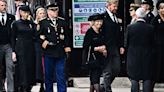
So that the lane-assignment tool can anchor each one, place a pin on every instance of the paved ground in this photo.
(120, 84)
(71, 89)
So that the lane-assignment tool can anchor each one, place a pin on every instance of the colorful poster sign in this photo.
(81, 9)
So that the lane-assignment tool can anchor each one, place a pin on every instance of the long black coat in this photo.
(22, 41)
(159, 48)
(140, 50)
(93, 39)
(113, 35)
(114, 40)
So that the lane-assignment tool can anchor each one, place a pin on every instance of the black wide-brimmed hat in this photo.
(95, 16)
(24, 8)
(53, 6)
(158, 3)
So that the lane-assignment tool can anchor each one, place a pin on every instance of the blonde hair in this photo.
(37, 12)
(112, 1)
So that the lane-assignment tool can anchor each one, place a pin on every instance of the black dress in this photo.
(23, 44)
(39, 56)
(159, 48)
(94, 39)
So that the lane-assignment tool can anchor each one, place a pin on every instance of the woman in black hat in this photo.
(95, 49)
(158, 23)
(22, 42)
(40, 14)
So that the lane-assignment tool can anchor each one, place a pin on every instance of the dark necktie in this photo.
(3, 21)
(114, 19)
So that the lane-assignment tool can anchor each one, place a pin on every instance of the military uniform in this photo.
(56, 35)
(55, 32)
(149, 17)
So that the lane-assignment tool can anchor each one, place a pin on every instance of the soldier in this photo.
(55, 45)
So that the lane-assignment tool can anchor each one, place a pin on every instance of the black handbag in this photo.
(88, 62)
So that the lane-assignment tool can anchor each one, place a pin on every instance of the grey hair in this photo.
(112, 2)
(140, 13)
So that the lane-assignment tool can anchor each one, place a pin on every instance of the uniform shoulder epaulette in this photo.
(61, 18)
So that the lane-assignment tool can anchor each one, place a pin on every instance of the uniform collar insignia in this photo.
(159, 20)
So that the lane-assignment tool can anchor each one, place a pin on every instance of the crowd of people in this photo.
(33, 49)
(142, 44)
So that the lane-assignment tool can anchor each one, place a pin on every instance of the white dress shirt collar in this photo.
(111, 15)
(5, 17)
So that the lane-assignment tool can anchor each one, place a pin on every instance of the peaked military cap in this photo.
(53, 7)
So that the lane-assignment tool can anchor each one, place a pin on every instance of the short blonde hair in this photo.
(112, 1)
(109, 2)
(40, 9)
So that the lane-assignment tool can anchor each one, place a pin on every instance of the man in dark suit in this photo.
(55, 43)
(5, 48)
(140, 40)
(114, 43)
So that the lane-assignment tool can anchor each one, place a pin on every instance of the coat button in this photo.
(57, 41)
(56, 33)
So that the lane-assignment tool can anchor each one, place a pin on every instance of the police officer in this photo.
(148, 6)
(55, 43)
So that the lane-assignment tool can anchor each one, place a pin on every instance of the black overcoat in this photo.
(140, 51)
(23, 44)
(159, 48)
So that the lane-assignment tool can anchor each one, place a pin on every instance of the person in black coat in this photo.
(55, 43)
(94, 46)
(23, 46)
(158, 23)
(5, 48)
(140, 41)
(40, 14)
(113, 35)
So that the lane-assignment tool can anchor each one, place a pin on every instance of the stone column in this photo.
(155, 10)
(11, 6)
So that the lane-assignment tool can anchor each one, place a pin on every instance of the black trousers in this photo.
(147, 86)
(110, 71)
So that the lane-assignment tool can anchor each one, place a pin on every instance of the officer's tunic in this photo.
(57, 35)
(54, 54)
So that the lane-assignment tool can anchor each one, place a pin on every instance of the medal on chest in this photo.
(30, 26)
(49, 30)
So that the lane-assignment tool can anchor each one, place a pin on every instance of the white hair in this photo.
(140, 13)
